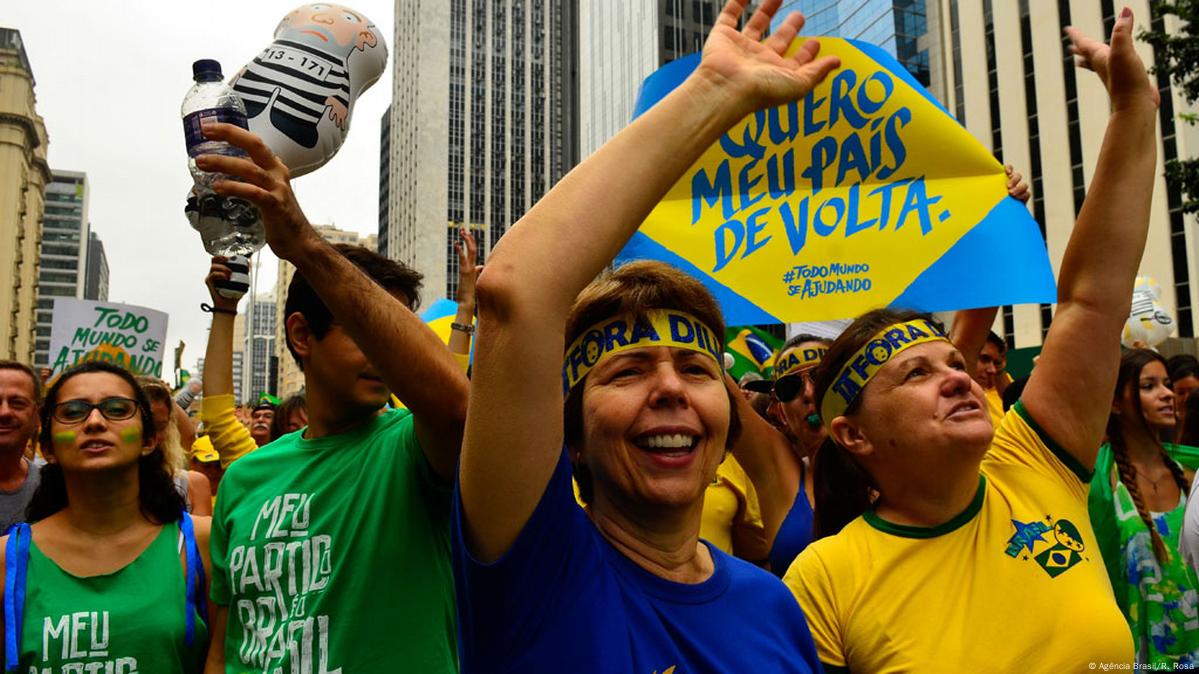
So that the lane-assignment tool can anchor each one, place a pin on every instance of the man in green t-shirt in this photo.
(331, 545)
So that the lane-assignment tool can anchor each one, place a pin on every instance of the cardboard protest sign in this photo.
(125, 335)
(866, 193)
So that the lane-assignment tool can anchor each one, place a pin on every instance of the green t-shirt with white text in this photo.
(333, 556)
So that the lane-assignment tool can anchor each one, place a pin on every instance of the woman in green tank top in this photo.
(1137, 501)
(111, 575)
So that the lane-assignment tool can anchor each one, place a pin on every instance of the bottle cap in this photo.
(206, 69)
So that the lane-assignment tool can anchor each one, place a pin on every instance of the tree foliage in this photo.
(1177, 57)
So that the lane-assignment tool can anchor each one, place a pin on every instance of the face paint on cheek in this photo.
(64, 438)
(131, 434)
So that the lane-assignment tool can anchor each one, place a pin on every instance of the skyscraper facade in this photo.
(63, 253)
(901, 27)
(620, 43)
(481, 151)
(96, 286)
(384, 179)
(260, 347)
(239, 358)
(1035, 110)
(25, 173)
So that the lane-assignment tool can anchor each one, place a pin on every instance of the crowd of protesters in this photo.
(887, 500)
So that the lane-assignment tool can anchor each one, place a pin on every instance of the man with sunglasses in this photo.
(776, 456)
(20, 396)
(792, 402)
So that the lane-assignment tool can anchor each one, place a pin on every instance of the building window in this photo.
(1034, 139)
(1178, 243)
(1009, 313)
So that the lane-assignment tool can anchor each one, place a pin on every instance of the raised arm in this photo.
(1070, 391)
(413, 361)
(468, 273)
(218, 356)
(970, 326)
(514, 428)
(230, 438)
(969, 332)
(769, 461)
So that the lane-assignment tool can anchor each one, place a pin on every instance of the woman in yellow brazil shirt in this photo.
(952, 546)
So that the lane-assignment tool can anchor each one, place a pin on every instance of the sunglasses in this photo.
(113, 409)
(787, 387)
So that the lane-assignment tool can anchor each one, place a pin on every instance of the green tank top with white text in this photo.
(131, 621)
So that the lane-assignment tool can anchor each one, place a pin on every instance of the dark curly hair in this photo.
(160, 502)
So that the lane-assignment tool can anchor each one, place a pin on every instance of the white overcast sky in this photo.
(110, 79)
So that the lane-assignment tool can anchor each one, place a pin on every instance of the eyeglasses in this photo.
(787, 387)
(113, 409)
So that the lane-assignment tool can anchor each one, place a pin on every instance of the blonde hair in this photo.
(170, 443)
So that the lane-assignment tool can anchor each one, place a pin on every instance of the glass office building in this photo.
(898, 26)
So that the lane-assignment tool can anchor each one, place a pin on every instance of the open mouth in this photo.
(964, 409)
(670, 445)
(96, 446)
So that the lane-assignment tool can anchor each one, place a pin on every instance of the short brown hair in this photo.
(843, 488)
(635, 289)
(33, 376)
(391, 275)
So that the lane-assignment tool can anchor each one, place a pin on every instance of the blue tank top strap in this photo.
(15, 566)
(195, 576)
(794, 534)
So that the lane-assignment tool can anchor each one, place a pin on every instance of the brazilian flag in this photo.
(752, 350)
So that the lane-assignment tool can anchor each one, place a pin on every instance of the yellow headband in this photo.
(798, 359)
(659, 327)
(871, 358)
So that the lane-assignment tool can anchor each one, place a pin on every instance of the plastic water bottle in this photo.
(228, 226)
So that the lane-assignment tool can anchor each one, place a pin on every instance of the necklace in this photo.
(1152, 483)
(1145, 476)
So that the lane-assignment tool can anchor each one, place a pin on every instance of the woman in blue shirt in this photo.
(625, 585)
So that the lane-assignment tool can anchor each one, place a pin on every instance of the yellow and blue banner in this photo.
(867, 193)
(439, 315)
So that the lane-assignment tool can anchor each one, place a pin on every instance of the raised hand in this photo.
(468, 270)
(758, 72)
(1016, 187)
(267, 184)
(1117, 64)
(218, 271)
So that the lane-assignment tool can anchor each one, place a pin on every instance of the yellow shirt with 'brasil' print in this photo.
(1015, 583)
